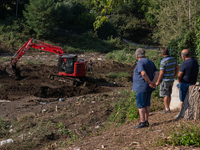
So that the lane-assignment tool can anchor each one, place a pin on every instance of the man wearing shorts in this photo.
(168, 71)
(187, 75)
(144, 78)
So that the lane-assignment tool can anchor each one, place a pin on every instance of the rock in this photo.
(6, 141)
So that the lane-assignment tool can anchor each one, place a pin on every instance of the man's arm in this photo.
(180, 76)
(176, 70)
(146, 78)
(161, 74)
(156, 74)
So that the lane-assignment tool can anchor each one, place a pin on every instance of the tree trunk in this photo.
(191, 104)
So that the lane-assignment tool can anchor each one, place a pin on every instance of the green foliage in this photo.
(100, 20)
(112, 74)
(118, 75)
(171, 20)
(122, 74)
(155, 56)
(40, 17)
(1, 85)
(128, 56)
(106, 30)
(126, 25)
(29, 61)
(184, 135)
(4, 126)
(198, 36)
(185, 41)
(122, 56)
(124, 109)
(62, 129)
(73, 137)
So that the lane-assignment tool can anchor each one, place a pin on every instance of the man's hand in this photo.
(180, 76)
(152, 85)
(157, 83)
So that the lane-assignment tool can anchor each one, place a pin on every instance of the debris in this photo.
(134, 143)
(97, 127)
(6, 141)
(43, 103)
(44, 110)
(1, 101)
(61, 99)
(22, 136)
(11, 130)
(101, 59)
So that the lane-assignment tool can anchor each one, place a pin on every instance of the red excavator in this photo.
(68, 65)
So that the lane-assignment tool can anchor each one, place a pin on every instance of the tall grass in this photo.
(122, 56)
(124, 109)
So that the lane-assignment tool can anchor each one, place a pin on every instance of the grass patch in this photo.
(4, 127)
(124, 109)
(30, 62)
(183, 134)
(122, 56)
(1, 85)
(112, 75)
(123, 74)
(5, 59)
(28, 132)
(118, 75)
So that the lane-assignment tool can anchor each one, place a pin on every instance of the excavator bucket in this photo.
(13, 70)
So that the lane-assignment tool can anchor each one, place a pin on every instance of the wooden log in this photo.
(191, 105)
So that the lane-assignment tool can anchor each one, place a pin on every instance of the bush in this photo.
(122, 56)
(184, 135)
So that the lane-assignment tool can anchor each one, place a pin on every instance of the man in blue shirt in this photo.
(187, 75)
(144, 78)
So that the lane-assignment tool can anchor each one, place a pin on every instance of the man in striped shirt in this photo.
(168, 71)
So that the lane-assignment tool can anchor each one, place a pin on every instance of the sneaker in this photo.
(177, 116)
(141, 125)
(147, 123)
(166, 111)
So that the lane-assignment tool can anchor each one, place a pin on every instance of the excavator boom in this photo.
(43, 46)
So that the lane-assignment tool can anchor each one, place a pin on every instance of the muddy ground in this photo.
(82, 109)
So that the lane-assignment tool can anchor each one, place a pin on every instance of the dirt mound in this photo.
(35, 81)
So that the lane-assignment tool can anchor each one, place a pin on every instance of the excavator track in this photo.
(71, 81)
(67, 80)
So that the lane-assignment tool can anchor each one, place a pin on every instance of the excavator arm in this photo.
(42, 46)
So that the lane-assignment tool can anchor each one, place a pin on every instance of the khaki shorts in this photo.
(166, 89)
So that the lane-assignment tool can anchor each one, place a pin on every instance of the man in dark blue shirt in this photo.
(187, 75)
(144, 78)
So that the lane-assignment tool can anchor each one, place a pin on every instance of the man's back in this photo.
(168, 64)
(190, 69)
(139, 84)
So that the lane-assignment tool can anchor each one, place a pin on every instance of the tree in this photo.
(173, 17)
(106, 7)
(40, 17)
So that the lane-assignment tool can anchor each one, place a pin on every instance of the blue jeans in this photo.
(143, 99)
(183, 88)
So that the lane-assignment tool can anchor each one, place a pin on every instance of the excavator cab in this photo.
(69, 66)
